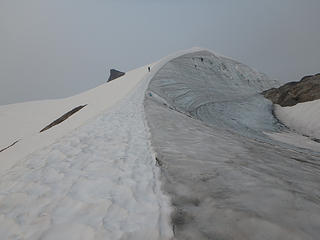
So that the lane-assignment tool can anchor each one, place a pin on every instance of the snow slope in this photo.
(97, 182)
(303, 117)
(93, 176)
(24, 120)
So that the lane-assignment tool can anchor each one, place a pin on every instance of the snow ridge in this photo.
(98, 182)
(93, 176)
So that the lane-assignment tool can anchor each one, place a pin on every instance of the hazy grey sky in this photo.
(56, 48)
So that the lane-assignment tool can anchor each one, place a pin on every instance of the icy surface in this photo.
(98, 182)
(227, 179)
(218, 91)
(295, 139)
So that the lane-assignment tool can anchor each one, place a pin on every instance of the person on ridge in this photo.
(149, 69)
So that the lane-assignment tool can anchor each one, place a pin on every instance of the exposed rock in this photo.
(63, 117)
(9, 146)
(115, 74)
(292, 93)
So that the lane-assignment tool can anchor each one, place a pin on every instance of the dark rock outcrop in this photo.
(115, 74)
(9, 146)
(292, 93)
(63, 118)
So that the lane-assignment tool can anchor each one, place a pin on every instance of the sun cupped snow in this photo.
(97, 182)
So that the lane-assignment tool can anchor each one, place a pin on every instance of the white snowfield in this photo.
(23, 121)
(303, 117)
(91, 177)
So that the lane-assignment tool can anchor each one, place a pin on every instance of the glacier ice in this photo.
(225, 177)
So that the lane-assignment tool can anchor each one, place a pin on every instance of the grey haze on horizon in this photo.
(53, 49)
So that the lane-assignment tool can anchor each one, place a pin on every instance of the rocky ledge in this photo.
(292, 93)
